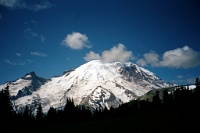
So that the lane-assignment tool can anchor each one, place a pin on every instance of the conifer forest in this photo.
(177, 111)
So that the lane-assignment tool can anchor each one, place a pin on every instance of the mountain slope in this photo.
(94, 84)
(24, 85)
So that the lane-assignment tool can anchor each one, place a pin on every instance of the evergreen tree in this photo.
(156, 100)
(27, 115)
(6, 109)
(112, 111)
(1, 103)
(85, 112)
(105, 112)
(166, 99)
(70, 109)
(39, 114)
(143, 104)
(197, 82)
(51, 115)
(197, 90)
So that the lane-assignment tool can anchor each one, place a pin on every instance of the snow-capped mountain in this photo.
(94, 84)
(25, 85)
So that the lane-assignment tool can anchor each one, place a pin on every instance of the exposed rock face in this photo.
(94, 84)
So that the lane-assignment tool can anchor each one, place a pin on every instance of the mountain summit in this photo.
(95, 84)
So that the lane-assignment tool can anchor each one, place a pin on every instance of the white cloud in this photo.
(42, 38)
(141, 62)
(43, 4)
(181, 58)
(30, 61)
(117, 53)
(76, 41)
(38, 54)
(152, 58)
(26, 4)
(15, 63)
(18, 54)
(31, 34)
(34, 22)
(9, 3)
(92, 56)
(179, 76)
(178, 58)
(9, 62)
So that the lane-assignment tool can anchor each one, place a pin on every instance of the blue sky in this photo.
(51, 36)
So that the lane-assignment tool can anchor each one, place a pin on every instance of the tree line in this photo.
(181, 100)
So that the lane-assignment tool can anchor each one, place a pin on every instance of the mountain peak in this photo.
(30, 75)
(95, 84)
(129, 67)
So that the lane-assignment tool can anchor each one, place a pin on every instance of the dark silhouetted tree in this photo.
(143, 104)
(156, 100)
(197, 93)
(6, 109)
(197, 82)
(166, 98)
(26, 114)
(105, 112)
(70, 110)
(197, 89)
(51, 115)
(84, 112)
(39, 113)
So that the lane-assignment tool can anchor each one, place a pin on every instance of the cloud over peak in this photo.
(76, 41)
(92, 56)
(184, 57)
(117, 53)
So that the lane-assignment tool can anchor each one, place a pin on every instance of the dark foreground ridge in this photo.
(176, 112)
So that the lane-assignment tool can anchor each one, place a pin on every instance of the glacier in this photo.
(95, 84)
